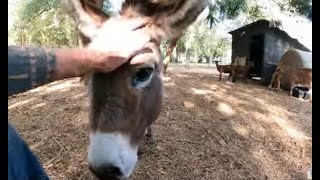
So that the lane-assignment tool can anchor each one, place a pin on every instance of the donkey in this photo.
(125, 102)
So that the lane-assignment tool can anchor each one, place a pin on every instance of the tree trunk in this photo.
(170, 48)
(187, 59)
(178, 57)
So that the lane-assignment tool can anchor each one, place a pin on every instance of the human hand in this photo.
(116, 42)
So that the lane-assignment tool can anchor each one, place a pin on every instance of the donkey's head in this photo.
(124, 102)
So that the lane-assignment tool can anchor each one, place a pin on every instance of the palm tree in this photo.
(222, 9)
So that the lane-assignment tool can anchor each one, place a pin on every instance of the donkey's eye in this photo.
(141, 76)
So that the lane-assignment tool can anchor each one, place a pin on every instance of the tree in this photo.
(298, 7)
(222, 9)
(206, 43)
(230, 9)
(42, 22)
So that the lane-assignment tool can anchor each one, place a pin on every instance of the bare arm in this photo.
(78, 62)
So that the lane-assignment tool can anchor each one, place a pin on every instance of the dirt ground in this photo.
(207, 130)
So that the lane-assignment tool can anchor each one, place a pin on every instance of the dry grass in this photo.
(207, 130)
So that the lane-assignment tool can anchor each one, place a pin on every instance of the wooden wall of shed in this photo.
(276, 43)
(274, 48)
(241, 43)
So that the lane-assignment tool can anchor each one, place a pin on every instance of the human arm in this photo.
(29, 67)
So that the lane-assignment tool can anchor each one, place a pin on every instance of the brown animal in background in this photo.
(242, 71)
(224, 69)
(275, 81)
(295, 76)
(125, 102)
(298, 77)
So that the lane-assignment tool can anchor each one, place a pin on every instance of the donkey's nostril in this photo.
(106, 172)
(113, 170)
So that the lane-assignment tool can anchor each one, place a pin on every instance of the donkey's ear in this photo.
(168, 17)
(86, 15)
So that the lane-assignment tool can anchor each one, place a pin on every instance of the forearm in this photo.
(71, 63)
(29, 67)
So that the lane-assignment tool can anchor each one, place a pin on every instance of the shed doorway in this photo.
(256, 55)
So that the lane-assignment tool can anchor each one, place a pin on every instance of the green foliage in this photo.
(299, 7)
(221, 9)
(181, 44)
(42, 22)
(107, 7)
(254, 13)
(203, 42)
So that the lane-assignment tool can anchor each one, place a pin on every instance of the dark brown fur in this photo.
(224, 69)
(242, 71)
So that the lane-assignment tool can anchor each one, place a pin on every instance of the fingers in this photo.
(124, 41)
(144, 58)
(132, 43)
(149, 55)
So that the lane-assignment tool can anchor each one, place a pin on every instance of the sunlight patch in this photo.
(38, 105)
(166, 79)
(184, 76)
(169, 84)
(213, 87)
(78, 96)
(188, 104)
(242, 130)
(56, 86)
(201, 91)
(17, 104)
(226, 109)
(60, 86)
(290, 131)
(261, 101)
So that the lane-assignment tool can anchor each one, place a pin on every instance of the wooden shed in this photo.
(264, 46)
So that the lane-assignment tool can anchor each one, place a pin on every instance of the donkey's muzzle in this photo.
(107, 172)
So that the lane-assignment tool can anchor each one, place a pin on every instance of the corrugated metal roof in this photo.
(266, 22)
